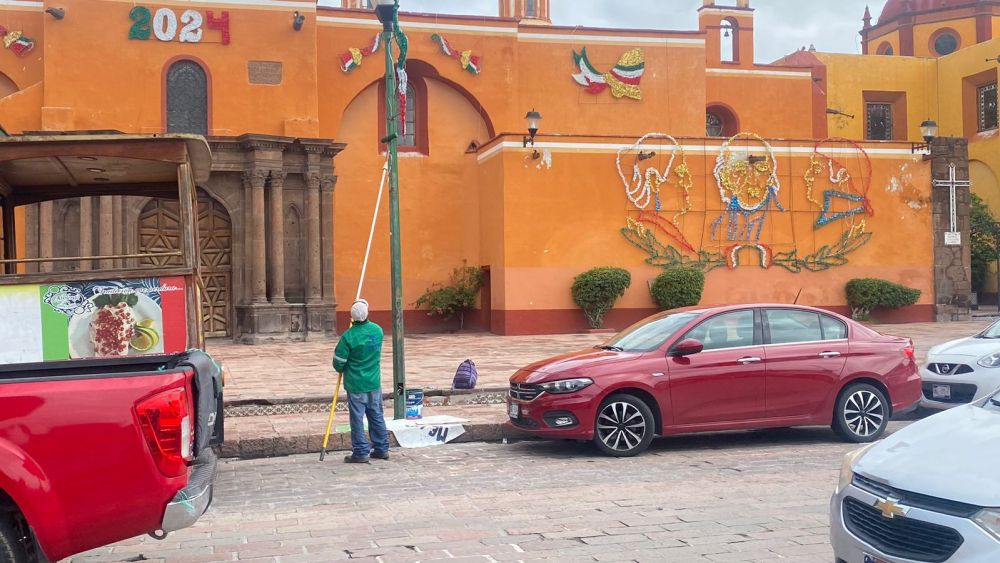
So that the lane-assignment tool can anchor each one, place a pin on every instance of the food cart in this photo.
(119, 305)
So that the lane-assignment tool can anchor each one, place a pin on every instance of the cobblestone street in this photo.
(746, 496)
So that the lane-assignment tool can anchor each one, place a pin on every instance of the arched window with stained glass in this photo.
(187, 98)
(713, 125)
(409, 138)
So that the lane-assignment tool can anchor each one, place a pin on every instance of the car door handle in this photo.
(658, 374)
(749, 360)
(829, 354)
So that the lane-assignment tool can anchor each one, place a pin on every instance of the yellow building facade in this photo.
(923, 59)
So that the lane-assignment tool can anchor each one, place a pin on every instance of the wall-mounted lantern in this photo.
(297, 21)
(929, 130)
(57, 13)
(533, 119)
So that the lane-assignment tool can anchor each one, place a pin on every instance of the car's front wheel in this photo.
(12, 542)
(862, 413)
(624, 426)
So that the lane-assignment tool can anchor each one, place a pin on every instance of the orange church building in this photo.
(656, 148)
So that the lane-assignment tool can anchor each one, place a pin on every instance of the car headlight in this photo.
(847, 467)
(991, 361)
(989, 520)
(566, 385)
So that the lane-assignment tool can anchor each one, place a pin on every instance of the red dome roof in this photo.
(895, 8)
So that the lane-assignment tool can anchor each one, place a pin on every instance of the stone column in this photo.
(276, 260)
(116, 233)
(329, 303)
(258, 253)
(86, 231)
(45, 244)
(245, 263)
(31, 237)
(952, 262)
(314, 280)
(106, 236)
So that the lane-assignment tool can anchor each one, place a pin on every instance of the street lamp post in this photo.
(388, 13)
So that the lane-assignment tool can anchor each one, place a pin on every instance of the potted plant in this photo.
(456, 298)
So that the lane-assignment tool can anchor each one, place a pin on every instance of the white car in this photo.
(962, 371)
(928, 493)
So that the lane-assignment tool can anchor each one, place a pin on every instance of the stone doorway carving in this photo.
(159, 224)
(265, 228)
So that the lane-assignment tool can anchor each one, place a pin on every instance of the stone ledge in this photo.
(275, 446)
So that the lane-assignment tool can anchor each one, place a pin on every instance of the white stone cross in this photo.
(953, 237)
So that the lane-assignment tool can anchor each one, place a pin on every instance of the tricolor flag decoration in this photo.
(112, 318)
(468, 61)
(353, 57)
(16, 41)
(623, 80)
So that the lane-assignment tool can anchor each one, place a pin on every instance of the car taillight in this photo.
(166, 424)
(910, 351)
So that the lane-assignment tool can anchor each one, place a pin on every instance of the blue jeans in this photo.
(370, 405)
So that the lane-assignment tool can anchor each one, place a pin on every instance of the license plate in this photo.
(514, 410)
(873, 559)
(941, 391)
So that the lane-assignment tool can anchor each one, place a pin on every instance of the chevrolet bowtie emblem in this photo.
(890, 508)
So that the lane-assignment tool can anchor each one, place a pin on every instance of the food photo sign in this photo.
(103, 319)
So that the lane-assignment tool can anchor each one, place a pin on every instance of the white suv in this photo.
(928, 493)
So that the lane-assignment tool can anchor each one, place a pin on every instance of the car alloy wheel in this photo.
(624, 426)
(621, 426)
(863, 413)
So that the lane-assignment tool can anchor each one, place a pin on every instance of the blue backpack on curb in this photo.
(466, 376)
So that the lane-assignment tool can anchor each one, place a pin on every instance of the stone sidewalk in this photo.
(278, 394)
(281, 372)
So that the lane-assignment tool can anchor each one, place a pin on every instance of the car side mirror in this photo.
(687, 347)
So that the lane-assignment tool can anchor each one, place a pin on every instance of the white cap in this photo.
(359, 311)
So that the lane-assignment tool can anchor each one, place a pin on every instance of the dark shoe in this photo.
(352, 459)
(377, 455)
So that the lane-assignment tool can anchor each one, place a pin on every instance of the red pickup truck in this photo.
(96, 451)
(109, 408)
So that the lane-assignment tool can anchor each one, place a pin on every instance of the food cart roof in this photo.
(44, 167)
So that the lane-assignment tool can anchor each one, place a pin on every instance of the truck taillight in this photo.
(910, 351)
(165, 420)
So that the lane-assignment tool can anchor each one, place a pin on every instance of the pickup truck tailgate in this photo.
(76, 457)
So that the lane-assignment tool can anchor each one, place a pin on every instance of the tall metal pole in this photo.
(392, 137)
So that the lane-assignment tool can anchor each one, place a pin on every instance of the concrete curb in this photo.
(325, 399)
(386, 397)
(278, 446)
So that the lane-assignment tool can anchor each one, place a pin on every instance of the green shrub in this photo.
(678, 287)
(456, 298)
(869, 294)
(984, 240)
(595, 291)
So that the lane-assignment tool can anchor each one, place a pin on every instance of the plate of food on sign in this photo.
(120, 324)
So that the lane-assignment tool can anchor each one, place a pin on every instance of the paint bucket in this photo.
(414, 404)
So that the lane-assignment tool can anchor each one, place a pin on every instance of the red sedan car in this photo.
(727, 368)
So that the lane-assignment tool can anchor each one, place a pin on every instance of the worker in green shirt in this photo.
(358, 357)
